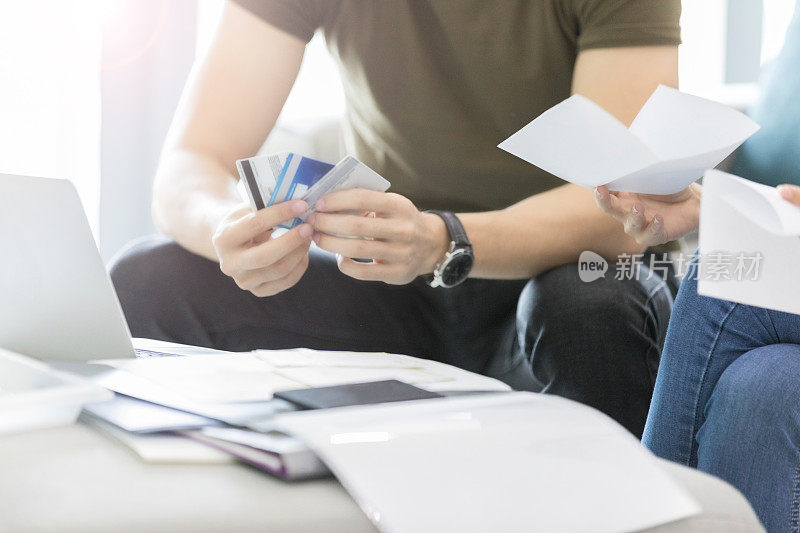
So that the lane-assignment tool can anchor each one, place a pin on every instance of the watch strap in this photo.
(454, 226)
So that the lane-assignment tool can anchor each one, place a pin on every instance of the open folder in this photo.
(749, 244)
(673, 140)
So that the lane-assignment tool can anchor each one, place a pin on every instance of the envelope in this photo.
(673, 140)
(749, 244)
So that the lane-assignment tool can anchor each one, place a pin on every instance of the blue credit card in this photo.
(298, 174)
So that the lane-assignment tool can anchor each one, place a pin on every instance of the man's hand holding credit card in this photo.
(395, 243)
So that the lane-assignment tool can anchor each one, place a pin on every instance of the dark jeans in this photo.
(598, 343)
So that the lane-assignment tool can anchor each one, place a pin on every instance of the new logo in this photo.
(591, 266)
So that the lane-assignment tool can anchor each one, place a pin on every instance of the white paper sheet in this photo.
(138, 416)
(236, 414)
(312, 376)
(673, 140)
(325, 358)
(741, 221)
(320, 368)
(500, 462)
(211, 378)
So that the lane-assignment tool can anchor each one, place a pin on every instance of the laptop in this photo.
(57, 302)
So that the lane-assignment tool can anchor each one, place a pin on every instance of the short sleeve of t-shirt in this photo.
(616, 23)
(300, 18)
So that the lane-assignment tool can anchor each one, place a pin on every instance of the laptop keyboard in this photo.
(151, 353)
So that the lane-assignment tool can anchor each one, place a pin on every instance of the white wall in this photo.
(148, 50)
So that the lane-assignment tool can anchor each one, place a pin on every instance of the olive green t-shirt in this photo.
(431, 90)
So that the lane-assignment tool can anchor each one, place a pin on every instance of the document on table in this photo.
(115, 377)
(318, 368)
(673, 140)
(749, 244)
(328, 376)
(498, 462)
(208, 380)
(138, 416)
(211, 378)
(304, 357)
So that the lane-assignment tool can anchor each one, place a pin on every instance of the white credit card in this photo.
(349, 173)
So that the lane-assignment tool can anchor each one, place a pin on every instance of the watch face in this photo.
(457, 268)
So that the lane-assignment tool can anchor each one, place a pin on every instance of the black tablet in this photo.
(355, 394)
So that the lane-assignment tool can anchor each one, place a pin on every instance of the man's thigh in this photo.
(596, 342)
(169, 293)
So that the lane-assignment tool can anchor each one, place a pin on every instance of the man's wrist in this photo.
(438, 242)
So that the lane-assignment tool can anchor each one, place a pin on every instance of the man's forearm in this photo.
(542, 232)
(192, 193)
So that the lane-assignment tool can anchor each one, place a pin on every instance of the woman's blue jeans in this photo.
(727, 399)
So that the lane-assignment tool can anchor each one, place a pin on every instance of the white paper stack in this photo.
(674, 139)
(203, 382)
(749, 245)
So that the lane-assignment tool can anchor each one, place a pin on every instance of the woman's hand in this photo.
(653, 219)
(790, 193)
(402, 242)
(255, 260)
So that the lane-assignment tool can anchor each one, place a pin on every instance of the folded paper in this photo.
(674, 139)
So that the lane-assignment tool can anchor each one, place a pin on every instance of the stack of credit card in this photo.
(272, 179)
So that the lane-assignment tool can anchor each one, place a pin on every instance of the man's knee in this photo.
(152, 277)
(596, 342)
(147, 265)
(559, 303)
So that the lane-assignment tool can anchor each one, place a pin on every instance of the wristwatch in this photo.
(458, 261)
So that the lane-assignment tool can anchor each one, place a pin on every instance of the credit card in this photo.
(276, 178)
(349, 173)
(272, 179)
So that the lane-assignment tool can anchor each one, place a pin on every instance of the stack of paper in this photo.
(498, 462)
(158, 434)
(161, 447)
(197, 393)
(218, 385)
(749, 244)
(211, 378)
(674, 139)
(147, 429)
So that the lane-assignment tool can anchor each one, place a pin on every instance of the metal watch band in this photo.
(454, 226)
